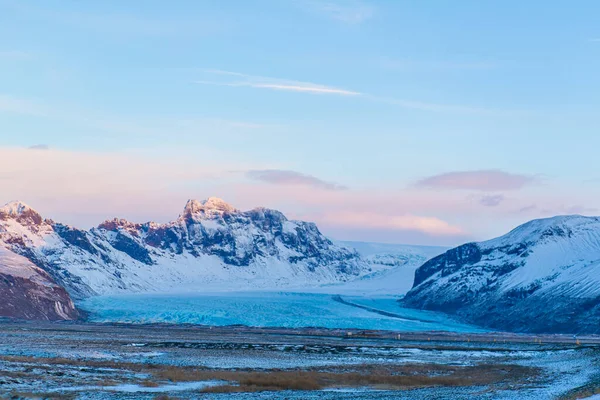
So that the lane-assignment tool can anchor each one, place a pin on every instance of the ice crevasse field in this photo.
(269, 309)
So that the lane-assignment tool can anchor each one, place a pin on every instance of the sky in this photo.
(416, 122)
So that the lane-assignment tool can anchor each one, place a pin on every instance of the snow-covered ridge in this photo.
(542, 276)
(210, 246)
(14, 208)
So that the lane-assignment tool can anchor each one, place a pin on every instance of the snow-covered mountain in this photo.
(27, 292)
(394, 255)
(392, 268)
(543, 276)
(211, 246)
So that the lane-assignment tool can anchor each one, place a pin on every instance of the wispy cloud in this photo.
(348, 11)
(285, 177)
(262, 82)
(528, 209)
(39, 147)
(482, 180)
(373, 220)
(491, 200)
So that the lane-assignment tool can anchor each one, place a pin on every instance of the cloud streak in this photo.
(285, 177)
(39, 147)
(269, 83)
(482, 180)
(262, 82)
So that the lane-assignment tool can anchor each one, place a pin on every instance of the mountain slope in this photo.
(210, 246)
(27, 292)
(543, 276)
(393, 268)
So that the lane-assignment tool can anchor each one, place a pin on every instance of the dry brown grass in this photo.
(285, 380)
(391, 377)
(149, 384)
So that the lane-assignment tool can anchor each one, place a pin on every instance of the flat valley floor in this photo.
(161, 361)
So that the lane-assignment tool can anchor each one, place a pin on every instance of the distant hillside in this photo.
(393, 267)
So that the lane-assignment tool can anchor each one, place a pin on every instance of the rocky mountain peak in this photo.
(20, 212)
(210, 243)
(119, 223)
(15, 208)
(213, 206)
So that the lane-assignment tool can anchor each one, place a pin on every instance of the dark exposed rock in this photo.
(129, 246)
(75, 237)
(449, 262)
(27, 292)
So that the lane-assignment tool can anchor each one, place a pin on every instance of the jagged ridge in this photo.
(211, 244)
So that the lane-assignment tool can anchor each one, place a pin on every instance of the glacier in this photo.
(266, 309)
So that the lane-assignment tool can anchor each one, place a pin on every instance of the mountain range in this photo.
(210, 245)
(543, 276)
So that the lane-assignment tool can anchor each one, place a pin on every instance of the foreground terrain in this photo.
(102, 361)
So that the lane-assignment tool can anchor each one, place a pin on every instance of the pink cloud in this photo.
(84, 188)
(372, 220)
(491, 200)
(483, 180)
(285, 177)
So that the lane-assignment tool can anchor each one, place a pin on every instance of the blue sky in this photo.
(401, 121)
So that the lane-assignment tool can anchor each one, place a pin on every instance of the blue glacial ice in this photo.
(267, 309)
